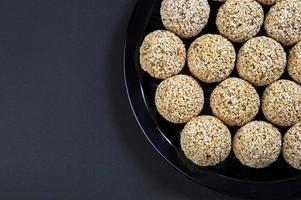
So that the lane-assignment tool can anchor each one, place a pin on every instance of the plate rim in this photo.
(140, 4)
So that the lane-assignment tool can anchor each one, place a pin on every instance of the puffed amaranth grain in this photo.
(239, 20)
(179, 98)
(235, 102)
(281, 103)
(261, 61)
(283, 22)
(294, 63)
(206, 141)
(211, 58)
(291, 149)
(257, 144)
(162, 54)
(186, 18)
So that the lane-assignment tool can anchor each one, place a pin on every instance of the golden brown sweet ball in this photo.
(235, 102)
(206, 141)
(283, 22)
(239, 20)
(291, 146)
(162, 54)
(294, 63)
(261, 61)
(257, 144)
(186, 18)
(179, 98)
(211, 58)
(281, 103)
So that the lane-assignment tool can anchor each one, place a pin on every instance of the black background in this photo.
(66, 128)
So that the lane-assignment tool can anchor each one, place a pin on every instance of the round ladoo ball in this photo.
(235, 102)
(294, 63)
(283, 22)
(261, 61)
(281, 103)
(179, 98)
(257, 144)
(206, 141)
(211, 58)
(239, 20)
(291, 146)
(162, 54)
(186, 18)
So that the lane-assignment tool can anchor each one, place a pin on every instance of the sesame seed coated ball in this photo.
(162, 54)
(261, 61)
(291, 149)
(239, 20)
(294, 63)
(268, 2)
(186, 18)
(281, 103)
(235, 102)
(211, 58)
(257, 144)
(206, 141)
(179, 98)
(283, 22)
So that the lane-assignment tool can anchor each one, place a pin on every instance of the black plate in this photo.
(277, 180)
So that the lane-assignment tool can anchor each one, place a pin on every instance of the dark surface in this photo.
(66, 129)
